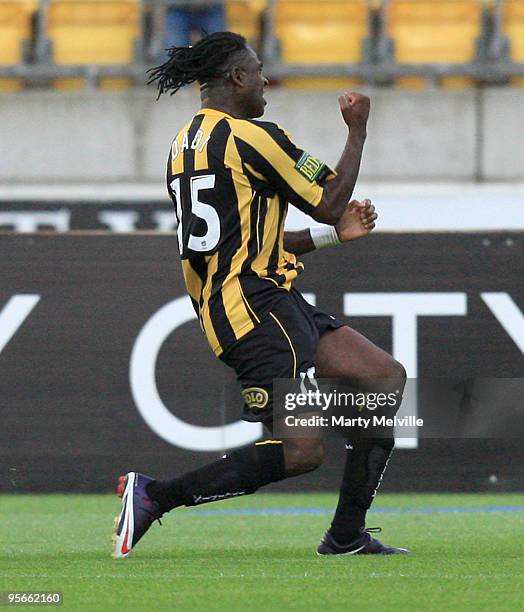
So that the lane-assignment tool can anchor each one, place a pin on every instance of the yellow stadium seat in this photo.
(513, 28)
(15, 28)
(243, 17)
(433, 32)
(97, 32)
(321, 32)
(30, 5)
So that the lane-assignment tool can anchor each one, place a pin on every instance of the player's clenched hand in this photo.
(355, 109)
(358, 220)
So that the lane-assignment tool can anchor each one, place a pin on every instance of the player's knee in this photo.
(397, 373)
(401, 371)
(302, 456)
(309, 457)
(388, 444)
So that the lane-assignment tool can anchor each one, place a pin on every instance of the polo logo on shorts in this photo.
(255, 397)
(309, 166)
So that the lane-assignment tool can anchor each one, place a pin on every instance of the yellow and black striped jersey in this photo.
(230, 181)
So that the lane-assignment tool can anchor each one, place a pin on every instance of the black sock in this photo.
(366, 460)
(240, 472)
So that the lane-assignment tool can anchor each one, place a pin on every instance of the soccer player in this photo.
(231, 178)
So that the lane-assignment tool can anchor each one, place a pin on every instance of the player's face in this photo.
(254, 84)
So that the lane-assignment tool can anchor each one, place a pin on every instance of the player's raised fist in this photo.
(354, 108)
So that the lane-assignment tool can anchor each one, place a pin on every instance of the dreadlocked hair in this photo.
(201, 62)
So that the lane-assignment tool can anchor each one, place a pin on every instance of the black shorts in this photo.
(282, 345)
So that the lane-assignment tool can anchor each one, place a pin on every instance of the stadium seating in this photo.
(433, 32)
(316, 33)
(15, 29)
(512, 24)
(243, 16)
(93, 32)
(309, 33)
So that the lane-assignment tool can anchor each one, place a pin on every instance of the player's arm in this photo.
(337, 191)
(357, 221)
(304, 181)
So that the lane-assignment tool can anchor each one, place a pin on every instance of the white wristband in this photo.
(324, 236)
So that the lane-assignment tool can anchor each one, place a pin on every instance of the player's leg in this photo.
(239, 472)
(344, 353)
(279, 347)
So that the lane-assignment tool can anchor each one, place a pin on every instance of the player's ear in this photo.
(237, 75)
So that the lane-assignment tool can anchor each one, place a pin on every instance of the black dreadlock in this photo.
(204, 61)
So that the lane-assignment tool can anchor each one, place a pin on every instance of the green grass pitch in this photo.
(232, 556)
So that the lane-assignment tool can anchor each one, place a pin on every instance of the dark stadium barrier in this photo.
(103, 367)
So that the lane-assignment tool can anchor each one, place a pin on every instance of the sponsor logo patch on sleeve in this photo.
(311, 167)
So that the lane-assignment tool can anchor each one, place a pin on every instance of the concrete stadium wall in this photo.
(431, 135)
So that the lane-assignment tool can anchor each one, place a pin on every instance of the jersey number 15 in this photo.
(205, 212)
